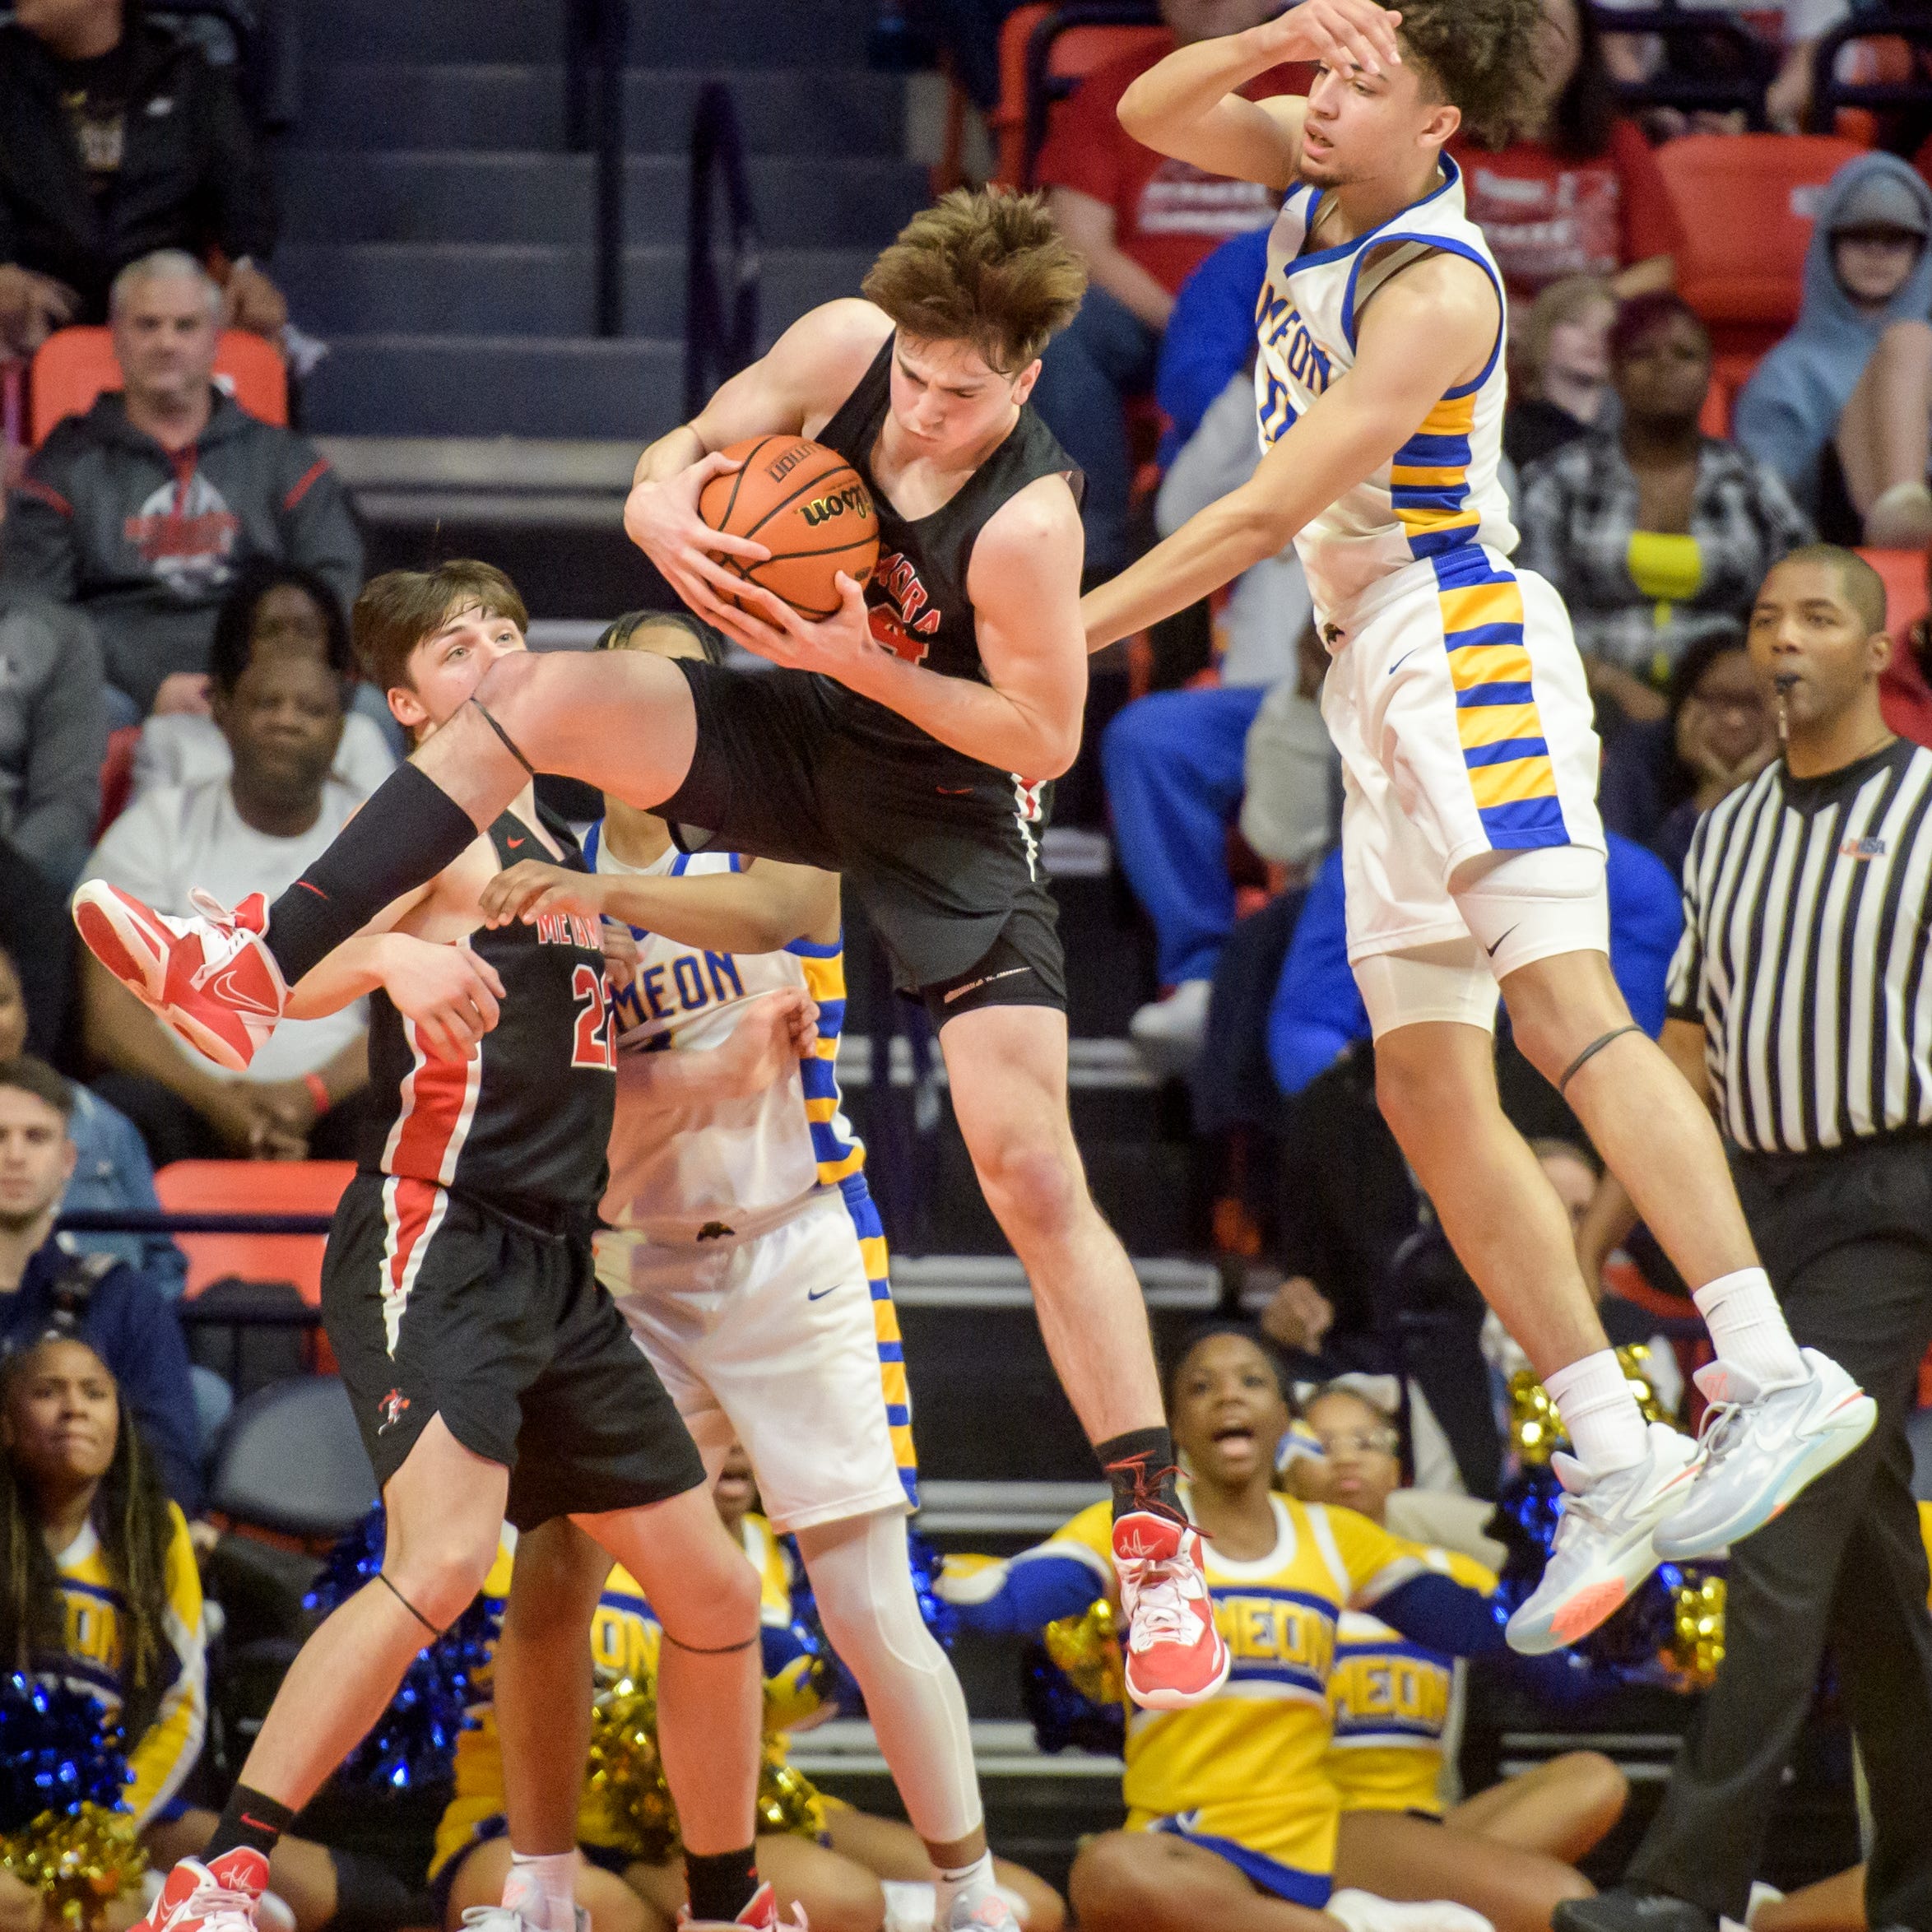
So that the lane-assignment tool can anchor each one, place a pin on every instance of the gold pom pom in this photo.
(79, 1861)
(1535, 1430)
(788, 1801)
(1088, 1649)
(625, 1798)
(1697, 1630)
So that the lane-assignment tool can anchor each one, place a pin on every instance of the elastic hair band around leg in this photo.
(1591, 1052)
(697, 1650)
(381, 1577)
(509, 744)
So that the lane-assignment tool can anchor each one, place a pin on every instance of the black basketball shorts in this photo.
(943, 853)
(436, 1305)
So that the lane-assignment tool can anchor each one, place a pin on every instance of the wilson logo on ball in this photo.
(855, 498)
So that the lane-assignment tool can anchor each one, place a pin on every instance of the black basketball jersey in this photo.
(917, 593)
(529, 1118)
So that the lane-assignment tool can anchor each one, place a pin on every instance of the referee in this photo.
(1801, 1007)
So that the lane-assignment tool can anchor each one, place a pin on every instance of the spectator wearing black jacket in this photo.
(117, 138)
(143, 510)
(117, 1310)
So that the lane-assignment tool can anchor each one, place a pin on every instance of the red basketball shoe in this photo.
(1175, 1656)
(762, 1914)
(209, 977)
(218, 1897)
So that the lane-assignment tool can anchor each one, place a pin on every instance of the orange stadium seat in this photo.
(75, 365)
(254, 1186)
(117, 775)
(1043, 50)
(1903, 695)
(1744, 203)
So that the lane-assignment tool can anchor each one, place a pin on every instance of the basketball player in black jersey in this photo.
(492, 1376)
(908, 744)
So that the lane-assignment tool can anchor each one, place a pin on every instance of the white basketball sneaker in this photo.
(1605, 1542)
(1760, 1448)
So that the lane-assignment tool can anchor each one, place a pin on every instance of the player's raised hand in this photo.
(1345, 35)
(531, 887)
(662, 519)
(447, 991)
(774, 1033)
(622, 954)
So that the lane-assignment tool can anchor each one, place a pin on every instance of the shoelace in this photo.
(216, 1905)
(210, 908)
(1718, 1435)
(1160, 1609)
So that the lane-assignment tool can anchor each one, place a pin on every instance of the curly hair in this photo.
(130, 1517)
(1482, 56)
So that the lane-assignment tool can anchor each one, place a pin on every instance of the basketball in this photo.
(808, 506)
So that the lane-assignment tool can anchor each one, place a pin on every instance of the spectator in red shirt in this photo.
(1574, 195)
(1143, 223)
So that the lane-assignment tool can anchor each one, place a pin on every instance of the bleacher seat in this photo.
(1044, 50)
(75, 365)
(292, 1461)
(1745, 203)
(254, 1186)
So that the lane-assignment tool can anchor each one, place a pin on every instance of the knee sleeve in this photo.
(1450, 981)
(1521, 907)
(861, 1575)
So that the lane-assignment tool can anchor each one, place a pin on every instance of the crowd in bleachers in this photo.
(1720, 350)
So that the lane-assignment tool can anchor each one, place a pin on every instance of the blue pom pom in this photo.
(413, 1741)
(58, 1752)
(1063, 1718)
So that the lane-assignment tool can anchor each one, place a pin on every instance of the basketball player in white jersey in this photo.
(1474, 853)
(746, 1252)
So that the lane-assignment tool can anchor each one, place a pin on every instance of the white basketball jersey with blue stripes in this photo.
(1440, 493)
(750, 1162)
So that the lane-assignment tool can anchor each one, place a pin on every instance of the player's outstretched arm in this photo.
(447, 992)
(1024, 588)
(1187, 105)
(756, 910)
(800, 379)
(774, 1033)
(1429, 330)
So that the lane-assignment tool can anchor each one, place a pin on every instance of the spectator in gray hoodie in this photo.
(141, 511)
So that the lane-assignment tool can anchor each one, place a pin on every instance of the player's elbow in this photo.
(1059, 747)
(1136, 111)
(1257, 528)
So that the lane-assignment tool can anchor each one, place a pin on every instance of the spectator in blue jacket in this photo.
(1210, 335)
(115, 1309)
(1318, 1015)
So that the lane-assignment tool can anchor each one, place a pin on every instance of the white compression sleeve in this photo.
(862, 1576)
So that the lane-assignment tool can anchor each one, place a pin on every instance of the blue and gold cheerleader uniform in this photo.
(96, 1660)
(624, 1640)
(743, 1245)
(1389, 1701)
(1245, 1774)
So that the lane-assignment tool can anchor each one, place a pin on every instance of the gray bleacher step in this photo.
(732, 33)
(1001, 1749)
(529, 288)
(1005, 1511)
(487, 386)
(334, 195)
(373, 105)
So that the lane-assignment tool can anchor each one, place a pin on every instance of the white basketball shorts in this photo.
(787, 1343)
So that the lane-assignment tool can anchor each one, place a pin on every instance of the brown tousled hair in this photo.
(399, 609)
(1481, 56)
(983, 266)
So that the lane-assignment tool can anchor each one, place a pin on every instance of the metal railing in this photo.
(1690, 79)
(1912, 25)
(721, 299)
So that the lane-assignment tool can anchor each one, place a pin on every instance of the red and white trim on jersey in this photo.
(1027, 813)
(412, 1211)
(439, 1101)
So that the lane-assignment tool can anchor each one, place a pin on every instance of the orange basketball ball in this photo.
(808, 506)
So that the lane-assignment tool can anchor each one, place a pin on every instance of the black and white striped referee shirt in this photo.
(1803, 955)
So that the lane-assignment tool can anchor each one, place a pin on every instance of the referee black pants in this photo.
(1847, 1239)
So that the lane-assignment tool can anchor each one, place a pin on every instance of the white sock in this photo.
(1747, 1327)
(542, 1889)
(1600, 1412)
(969, 1882)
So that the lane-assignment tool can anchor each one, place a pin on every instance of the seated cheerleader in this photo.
(1232, 1821)
(841, 1880)
(1507, 1852)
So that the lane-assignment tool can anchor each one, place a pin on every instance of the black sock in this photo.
(251, 1818)
(1140, 1466)
(409, 829)
(722, 1886)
